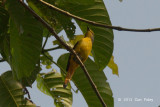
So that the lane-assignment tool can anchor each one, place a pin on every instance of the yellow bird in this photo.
(83, 49)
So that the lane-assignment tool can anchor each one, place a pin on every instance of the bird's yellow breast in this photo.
(84, 48)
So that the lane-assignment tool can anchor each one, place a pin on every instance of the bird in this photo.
(82, 48)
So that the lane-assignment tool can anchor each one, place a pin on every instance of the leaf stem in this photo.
(45, 42)
(51, 49)
(55, 63)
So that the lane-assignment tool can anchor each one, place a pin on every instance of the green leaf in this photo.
(4, 17)
(11, 92)
(84, 86)
(25, 39)
(5, 48)
(52, 85)
(28, 81)
(57, 20)
(84, 2)
(112, 65)
(46, 14)
(103, 41)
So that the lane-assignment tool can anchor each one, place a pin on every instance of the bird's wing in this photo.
(68, 64)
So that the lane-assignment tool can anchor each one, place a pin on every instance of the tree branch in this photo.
(95, 23)
(68, 48)
(51, 49)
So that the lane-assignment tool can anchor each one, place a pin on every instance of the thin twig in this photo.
(29, 100)
(55, 63)
(95, 23)
(27, 92)
(50, 29)
(76, 91)
(45, 42)
(51, 49)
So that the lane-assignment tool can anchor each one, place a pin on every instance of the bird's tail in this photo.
(68, 78)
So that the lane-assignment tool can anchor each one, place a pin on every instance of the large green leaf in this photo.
(4, 36)
(5, 47)
(28, 81)
(25, 39)
(84, 86)
(11, 92)
(52, 85)
(4, 17)
(103, 42)
(84, 2)
(6, 54)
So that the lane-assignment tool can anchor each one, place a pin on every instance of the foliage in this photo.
(84, 86)
(54, 18)
(21, 38)
(103, 41)
(112, 65)
(12, 94)
(25, 39)
(45, 61)
(52, 84)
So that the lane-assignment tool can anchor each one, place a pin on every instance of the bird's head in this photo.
(90, 34)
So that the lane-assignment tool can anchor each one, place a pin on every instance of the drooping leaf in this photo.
(84, 86)
(52, 84)
(112, 65)
(103, 42)
(11, 92)
(25, 39)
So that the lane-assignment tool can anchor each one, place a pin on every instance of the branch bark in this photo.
(68, 48)
(95, 23)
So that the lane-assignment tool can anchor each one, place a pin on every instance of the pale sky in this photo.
(137, 56)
